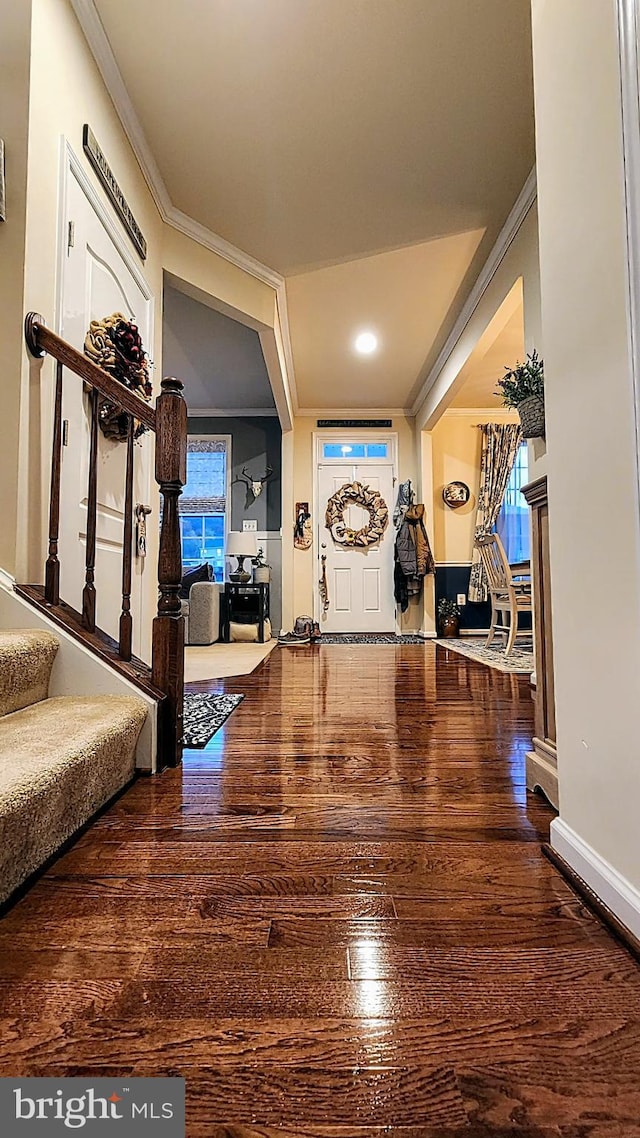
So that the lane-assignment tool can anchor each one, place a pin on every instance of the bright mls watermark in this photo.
(130, 1108)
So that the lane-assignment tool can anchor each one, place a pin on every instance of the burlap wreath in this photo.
(354, 493)
(114, 344)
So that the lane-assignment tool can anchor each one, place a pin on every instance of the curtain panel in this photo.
(500, 442)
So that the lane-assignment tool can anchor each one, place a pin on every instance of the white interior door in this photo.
(97, 281)
(359, 579)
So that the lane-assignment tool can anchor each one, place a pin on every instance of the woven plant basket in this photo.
(531, 412)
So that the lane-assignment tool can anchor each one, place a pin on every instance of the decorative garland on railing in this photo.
(355, 493)
(115, 345)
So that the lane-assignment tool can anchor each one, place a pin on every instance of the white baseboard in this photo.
(426, 635)
(6, 581)
(611, 887)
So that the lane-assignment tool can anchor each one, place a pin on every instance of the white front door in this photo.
(359, 579)
(97, 281)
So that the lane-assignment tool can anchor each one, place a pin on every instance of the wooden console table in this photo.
(542, 762)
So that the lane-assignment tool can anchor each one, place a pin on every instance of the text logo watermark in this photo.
(128, 1108)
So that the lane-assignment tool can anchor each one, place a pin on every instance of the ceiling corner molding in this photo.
(479, 412)
(96, 37)
(216, 244)
(507, 235)
(100, 47)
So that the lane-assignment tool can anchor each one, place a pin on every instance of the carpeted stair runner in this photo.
(61, 758)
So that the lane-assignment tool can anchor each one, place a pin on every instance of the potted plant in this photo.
(261, 571)
(522, 387)
(448, 618)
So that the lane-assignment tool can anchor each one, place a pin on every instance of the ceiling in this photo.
(219, 360)
(486, 365)
(402, 297)
(316, 135)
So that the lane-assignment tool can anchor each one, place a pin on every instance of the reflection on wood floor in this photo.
(335, 920)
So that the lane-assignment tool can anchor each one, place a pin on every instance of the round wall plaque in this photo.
(456, 494)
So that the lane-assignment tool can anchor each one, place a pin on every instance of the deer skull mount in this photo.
(253, 486)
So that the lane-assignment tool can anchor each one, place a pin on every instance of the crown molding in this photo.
(231, 412)
(483, 412)
(507, 235)
(96, 37)
(216, 244)
(100, 47)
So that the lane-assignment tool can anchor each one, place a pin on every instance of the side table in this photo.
(246, 604)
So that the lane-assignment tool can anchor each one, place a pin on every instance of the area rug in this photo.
(520, 659)
(370, 638)
(216, 661)
(204, 714)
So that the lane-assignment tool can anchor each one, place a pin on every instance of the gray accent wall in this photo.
(255, 443)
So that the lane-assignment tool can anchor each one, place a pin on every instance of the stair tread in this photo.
(26, 659)
(57, 733)
(60, 761)
(62, 725)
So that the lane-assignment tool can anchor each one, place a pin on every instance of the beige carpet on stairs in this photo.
(217, 661)
(26, 660)
(61, 758)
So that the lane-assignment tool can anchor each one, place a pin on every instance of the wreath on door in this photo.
(356, 494)
(115, 345)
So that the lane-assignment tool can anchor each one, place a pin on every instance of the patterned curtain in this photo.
(500, 442)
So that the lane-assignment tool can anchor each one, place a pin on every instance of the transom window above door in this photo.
(354, 451)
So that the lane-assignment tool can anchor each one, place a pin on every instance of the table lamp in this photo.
(241, 545)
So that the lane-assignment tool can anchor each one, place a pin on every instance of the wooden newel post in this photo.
(168, 627)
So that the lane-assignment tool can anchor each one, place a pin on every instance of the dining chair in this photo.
(508, 594)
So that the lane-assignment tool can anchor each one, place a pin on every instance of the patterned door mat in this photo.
(204, 714)
(369, 638)
(519, 660)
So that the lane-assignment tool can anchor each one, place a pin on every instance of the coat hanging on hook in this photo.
(406, 497)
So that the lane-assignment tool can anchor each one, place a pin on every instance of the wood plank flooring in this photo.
(336, 922)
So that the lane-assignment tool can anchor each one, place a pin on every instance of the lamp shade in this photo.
(241, 544)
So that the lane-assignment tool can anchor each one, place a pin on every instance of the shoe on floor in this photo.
(290, 638)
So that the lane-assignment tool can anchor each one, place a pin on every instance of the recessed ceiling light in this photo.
(366, 343)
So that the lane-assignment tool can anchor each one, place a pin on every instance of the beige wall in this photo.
(304, 564)
(520, 261)
(64, 92)
(456, 449)
(237, 292)
(64, 95)
(592, 459)
(15, 21)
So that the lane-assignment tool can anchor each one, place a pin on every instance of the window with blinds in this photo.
(203, 504)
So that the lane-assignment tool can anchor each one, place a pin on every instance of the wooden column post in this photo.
(167, 663)
(52, 567)
(126, 622)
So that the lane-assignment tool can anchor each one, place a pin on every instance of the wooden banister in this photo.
(169, 422)
(42, 341)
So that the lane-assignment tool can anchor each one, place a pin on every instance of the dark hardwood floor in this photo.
(335, 921)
